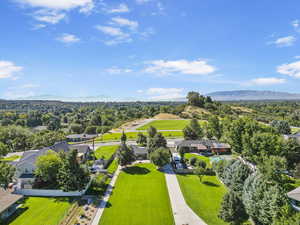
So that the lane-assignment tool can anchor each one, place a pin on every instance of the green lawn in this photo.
(168, 124)
(11, 158)
(113, 166)
(140, 197)
(37, 211)
(205, 159)
(106, 151)
(203, 197)
(133, 135)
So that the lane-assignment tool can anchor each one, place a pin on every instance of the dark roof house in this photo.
(139, 152)
(8, 203)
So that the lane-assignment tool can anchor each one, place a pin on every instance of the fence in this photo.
(51, 193)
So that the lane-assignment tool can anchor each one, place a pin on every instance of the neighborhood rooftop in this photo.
(294, 194)
(7, 199)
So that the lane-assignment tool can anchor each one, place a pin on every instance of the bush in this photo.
(193, 161)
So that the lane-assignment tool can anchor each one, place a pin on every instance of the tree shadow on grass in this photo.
(136, 170)
(210, 184)
(14, 216)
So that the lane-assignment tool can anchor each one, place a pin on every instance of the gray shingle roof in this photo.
(7, 199)
(139, 150)
(294, 194)
(82, 136)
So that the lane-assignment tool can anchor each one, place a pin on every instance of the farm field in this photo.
(133, 135)
(139, 197)
(204, 197)
(168, 124)
(105, 151)
(36, 210)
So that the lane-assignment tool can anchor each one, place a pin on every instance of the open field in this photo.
(204, 197)
(11, 158)
(37, 211)
(168, 124)
(139, 197)
(106, 151)
(133, 135)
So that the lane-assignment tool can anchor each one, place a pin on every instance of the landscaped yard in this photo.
(113, 166)
(204, 158)
(133, 135)
(37, 211)
(204, 197)
(106, 151)
(168, 124)
(140, 197)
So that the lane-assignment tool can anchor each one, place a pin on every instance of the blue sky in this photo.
(146, 49)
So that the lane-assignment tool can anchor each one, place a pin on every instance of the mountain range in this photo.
(252, 95)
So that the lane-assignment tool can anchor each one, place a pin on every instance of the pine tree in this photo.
(125, 155)
(232, 209)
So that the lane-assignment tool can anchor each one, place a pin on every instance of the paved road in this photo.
(183, 214)
(105, 199)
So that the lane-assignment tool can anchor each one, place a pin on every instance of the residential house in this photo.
(80, 137)
(141, 153)
(26, 166)
(292, 136)
(204, 145)
(294, 195)
(8, 203)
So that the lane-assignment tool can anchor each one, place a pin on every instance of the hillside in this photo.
(252, 95)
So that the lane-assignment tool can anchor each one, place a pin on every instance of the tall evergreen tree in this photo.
(71, 176)
(232, 209)
(125, 155)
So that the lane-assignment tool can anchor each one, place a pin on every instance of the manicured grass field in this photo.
(37, 211)
(140, 197)
(106, 151)
(168, 124)
(204, 197)
(133, 135)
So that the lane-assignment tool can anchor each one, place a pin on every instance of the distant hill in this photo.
(252, 95)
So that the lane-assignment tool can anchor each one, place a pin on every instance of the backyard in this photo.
(204, 197)
(168, 124)
(139, 197)
(36, 210)
(106, 152)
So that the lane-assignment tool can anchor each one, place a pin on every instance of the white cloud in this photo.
(38, 26)
(295, 23)
(122, 8)
(267, 81)
(142, 1)
(58, 4)
(53, 11)
(68, 38)
(8, 69)
(118, 35)
(297, 57)
(164, 93)
(197, 67)
(284, 41)
(291, 69)
(125, 22)
(112, 31)
(116, 70)
(49, 16)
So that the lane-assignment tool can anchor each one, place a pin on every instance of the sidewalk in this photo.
(105, 199)
(182, 213)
